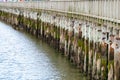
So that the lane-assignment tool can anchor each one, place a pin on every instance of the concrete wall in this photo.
(106, 9)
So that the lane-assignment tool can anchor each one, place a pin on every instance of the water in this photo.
(23, 57)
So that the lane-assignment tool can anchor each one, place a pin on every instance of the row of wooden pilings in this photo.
(89, 56)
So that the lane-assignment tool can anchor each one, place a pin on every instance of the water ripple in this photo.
(23, 57)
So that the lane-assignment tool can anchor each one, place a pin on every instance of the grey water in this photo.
(23, 57)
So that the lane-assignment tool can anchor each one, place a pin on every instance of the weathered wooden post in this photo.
(70, 36)
(117, 53)
(107, 52)
(85, 48)
(37, 30)
(58, 33)
(90, 52)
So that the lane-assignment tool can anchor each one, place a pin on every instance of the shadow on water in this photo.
(29, 58)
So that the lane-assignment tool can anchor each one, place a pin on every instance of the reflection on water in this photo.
(23, 57)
